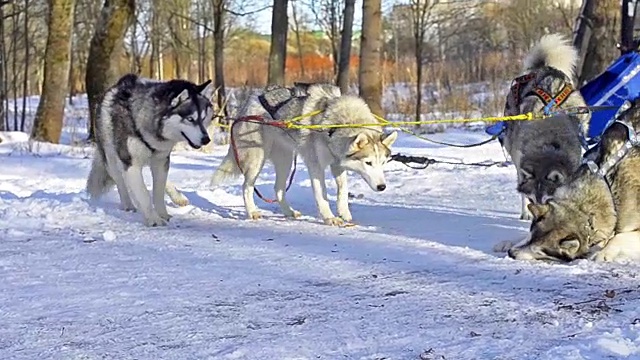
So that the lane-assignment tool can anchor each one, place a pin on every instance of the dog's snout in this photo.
(381, 187)
(205, 140)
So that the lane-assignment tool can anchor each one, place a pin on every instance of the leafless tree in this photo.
(421, 14)
(115, 19)
(50, 114)
(328, 17)
(596, 36)
(278, 50)
(3, 86)
(345, 45)
(369, 77)
(296, 31)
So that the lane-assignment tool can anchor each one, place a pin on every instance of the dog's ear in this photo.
(570, 245)
(180, 98)
(206, 89)
(538, 210)
(555, 176)
(359, 142)
(389, 139)
(525, 174)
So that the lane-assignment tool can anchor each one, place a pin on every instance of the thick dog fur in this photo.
(547, 151)
(139, 122)
(362, 150)
(591, 216)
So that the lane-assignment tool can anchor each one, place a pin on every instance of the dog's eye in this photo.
(368, 163)
(191, 119)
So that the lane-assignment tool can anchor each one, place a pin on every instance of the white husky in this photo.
(364, 150)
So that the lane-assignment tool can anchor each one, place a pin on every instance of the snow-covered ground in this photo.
(416, 279)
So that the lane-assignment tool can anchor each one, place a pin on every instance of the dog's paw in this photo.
(334, 221)
(128, 208)
(526, 215)
(608, 254)
(180, 200)
(294, 214)
(155, 220)
(164, 216)
(346, 216)
(255, 215)
(503, 246)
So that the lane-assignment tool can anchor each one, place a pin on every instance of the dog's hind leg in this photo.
(252, 161)
(282, 160)
(342, 202)
(159, 173)
(116, 171)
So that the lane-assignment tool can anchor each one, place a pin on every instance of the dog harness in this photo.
(604, 169)
(550, 102)
(276, 96)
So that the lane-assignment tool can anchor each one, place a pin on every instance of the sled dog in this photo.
(363, 150)
(597, 213)
(546, 151)
(138, 123)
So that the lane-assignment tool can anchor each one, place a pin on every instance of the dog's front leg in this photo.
(140, 195)
(340, 174)
(316, 173)
(623, 246)
(160, 172)
(525, 214)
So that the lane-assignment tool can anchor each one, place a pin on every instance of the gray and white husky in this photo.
(547, 151)
(363, 150)
(139, 122)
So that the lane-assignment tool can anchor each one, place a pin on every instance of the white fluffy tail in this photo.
(227, 170)
(99, 181)
(553, 50)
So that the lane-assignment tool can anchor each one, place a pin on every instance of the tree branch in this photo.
(240, 14)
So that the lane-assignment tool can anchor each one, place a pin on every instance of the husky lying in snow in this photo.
(547, 151)
(362, 150)
(597, 213)
(139, 122)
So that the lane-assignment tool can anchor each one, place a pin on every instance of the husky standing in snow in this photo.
(139, 121)
(547, 151)
(363, 150)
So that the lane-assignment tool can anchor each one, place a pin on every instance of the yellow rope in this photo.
(521, 117)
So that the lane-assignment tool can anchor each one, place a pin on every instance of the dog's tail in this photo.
(99, 181)
(227, 170)
(553, 50)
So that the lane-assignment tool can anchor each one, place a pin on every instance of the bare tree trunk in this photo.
(296, 30)
(333, 29)
(218, 53)
(25, 80)
(3, 69)
(115, 19)
(369, 77)
(278, 50)
(154, 60)
(14, 70)
(72, 87)
(345, 45)
(419, 68)
(601, 44)
(50, 114)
